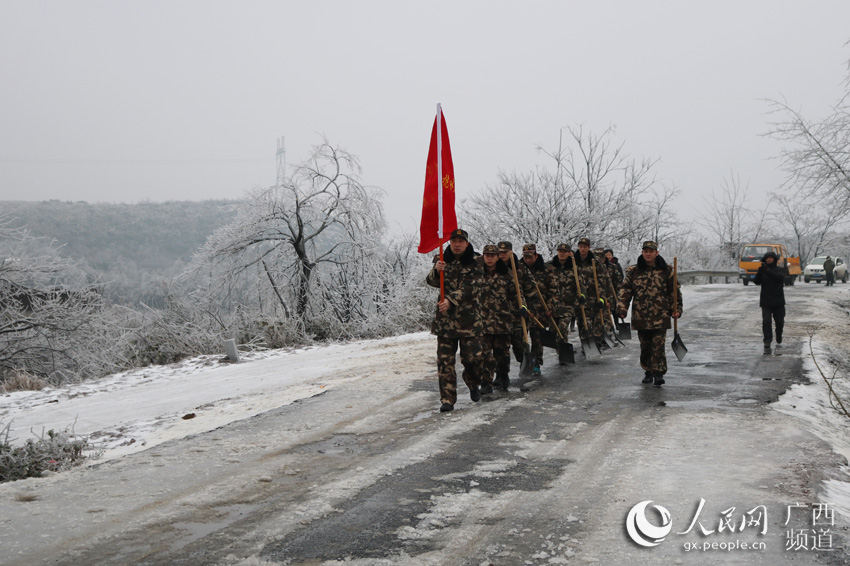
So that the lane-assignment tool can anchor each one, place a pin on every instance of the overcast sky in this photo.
(170, 100)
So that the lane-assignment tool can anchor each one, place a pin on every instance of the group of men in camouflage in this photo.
(491, 299)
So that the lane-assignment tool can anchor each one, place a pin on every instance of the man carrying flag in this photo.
(457, 321)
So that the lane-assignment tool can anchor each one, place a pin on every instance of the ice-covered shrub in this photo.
(53, 451)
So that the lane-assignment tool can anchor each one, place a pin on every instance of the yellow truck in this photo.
(750, 260)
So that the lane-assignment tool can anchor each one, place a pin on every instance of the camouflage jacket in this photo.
(462, 284)
(526, 285)
(498, 298)
(651, 290)
(588, 283)
(616, 272)
(543, 279)
(565, 287)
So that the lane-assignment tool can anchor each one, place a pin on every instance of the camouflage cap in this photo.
(529, 249)
(490, 249)
(650, 245)
(458, 233)
(505, 246)
(585, 241)
(564, 248)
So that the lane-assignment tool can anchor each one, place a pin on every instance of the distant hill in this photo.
(134, 247)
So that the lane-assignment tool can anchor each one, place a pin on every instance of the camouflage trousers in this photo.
(535, 333)
(597, 323)
(517, 342)
(652, 355)
(594, 324)
(497, 356)
(563, 324)
(472, 358)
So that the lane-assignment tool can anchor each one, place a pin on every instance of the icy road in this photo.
(338, 455)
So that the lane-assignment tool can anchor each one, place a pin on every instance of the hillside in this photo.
(131, 246)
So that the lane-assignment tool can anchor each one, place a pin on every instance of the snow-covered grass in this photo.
(135, 410)
(826, 355)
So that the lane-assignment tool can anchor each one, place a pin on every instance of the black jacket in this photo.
(772, 280)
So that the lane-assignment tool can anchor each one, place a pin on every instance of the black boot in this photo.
(446, 407)
(647, 377)
(486, 389)
(658, 379)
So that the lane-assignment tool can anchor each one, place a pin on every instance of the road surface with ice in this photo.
(343, 457)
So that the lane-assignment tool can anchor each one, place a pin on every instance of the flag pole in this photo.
(440, 196)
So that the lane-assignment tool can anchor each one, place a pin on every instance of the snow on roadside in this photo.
(135, 410)
(811, 403)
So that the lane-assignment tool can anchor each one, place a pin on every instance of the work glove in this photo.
(582, 299)
(523, 311)
(621, 314)
(601, 302)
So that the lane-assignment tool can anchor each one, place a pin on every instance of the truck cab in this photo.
(750, 261)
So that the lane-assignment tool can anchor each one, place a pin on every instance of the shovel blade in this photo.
(625, 330)
(589, 347)
(548, 338)
(679, 347)
(526, 366)
(566, 353)
(609, 340)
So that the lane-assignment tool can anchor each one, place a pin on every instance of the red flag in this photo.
(431, 233)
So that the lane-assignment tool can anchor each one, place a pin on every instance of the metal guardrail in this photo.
(710, 274)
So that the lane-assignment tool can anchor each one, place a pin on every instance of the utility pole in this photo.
(281, 161)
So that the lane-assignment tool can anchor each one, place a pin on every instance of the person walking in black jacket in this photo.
(829, 269)
(771, 277)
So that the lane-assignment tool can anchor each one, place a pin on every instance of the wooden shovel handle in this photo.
(519, 298)
(596, 284)
(675, 296)
(546, 308)
(578, 290)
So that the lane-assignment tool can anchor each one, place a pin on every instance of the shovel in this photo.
(526, 366)
(624, 329)
(566, 354)
(605, 335)
(588, 344)
(616, 331)
(678, 346)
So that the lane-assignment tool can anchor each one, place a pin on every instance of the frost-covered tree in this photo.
(816, 154)
(588, 187)
(813, 227)
(53, 322)
(730, 218)
(303, 250)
